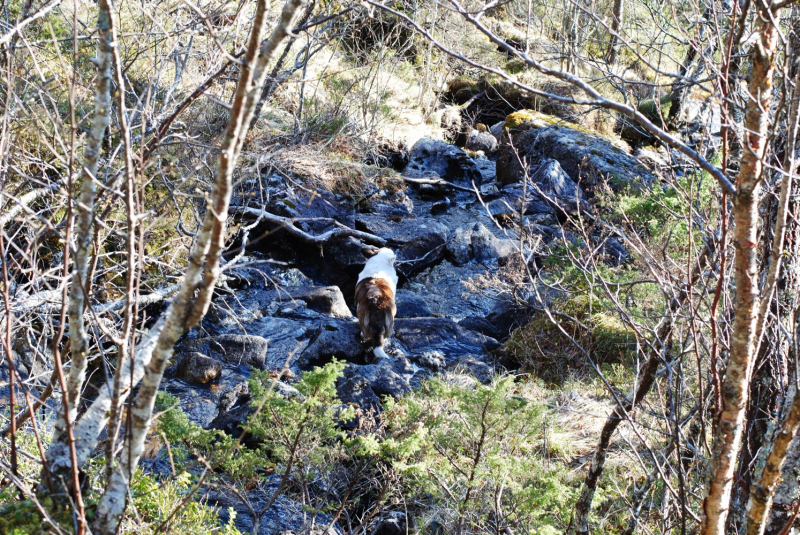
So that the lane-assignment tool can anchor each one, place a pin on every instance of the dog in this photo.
(375, 291)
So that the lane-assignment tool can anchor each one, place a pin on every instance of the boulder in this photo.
(435, 157)
(327, 300)
(418, 242)
(588, 158)
(356, 391)
(236, 349)
(481, 141)
(476, 242)
(474, 367)
(497, 130)
(421, 335)
(340, 339)
(553, 184)
(383, 380)
(411, 305)
(198, 368)
(516, 198)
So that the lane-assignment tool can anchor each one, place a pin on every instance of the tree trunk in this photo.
(203, 270)
(616, 25)
(730, 420)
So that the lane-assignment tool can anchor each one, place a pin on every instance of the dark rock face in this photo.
(235, 409)
(419, 335)
(587, 158)
(365, 385)
(236, 349)
(481, 141)
(233, 423)
(198, 368)
(418, 242)
(555, 185)
(411, 305)
(284, 517)
(433, 156)
(476, 242)
(327, 300)
(518, 199)
(340, 339)
(357, 391)
(289, 201)
(615, 253)
(474, 367)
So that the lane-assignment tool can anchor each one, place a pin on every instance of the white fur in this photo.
(380, 353)
(381, 266)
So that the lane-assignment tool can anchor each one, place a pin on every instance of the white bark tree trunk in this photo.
(730, 423)
(194, 297)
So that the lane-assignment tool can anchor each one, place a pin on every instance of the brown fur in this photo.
(375, 308)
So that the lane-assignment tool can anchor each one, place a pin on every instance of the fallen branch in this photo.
(44, 10)
(23, 202)
(436, 182)
(288, 223)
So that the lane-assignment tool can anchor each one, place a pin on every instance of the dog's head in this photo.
(383, 254)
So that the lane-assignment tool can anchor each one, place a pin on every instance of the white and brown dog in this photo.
(375, 291)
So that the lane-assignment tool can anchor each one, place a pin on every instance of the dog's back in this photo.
(375, 309)
(375, 304)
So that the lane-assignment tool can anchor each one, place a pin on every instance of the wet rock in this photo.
(420, 335)
(418, 378)
(385, 377)
(327, 300)
(588, 158)
(395, 203)
(238, 394)
(476, 242)
(431, 360)
(555, 185)
(614, 252)
(516, 198)
(235, 409)
(444, 288)
(340, 339)
(285, 336)
(481, 141)
(474, 367)
(285, 517)
(488, 170)
(346, 254)
(479, 324)
(198, 368)
(236, 349)
(497, 130)
(357, 391)
(233, 423)
(288, 200)
(433, 156)
(441, 207)
(418, 242)
(411, 305)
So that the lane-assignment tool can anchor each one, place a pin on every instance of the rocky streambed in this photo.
(287, 303)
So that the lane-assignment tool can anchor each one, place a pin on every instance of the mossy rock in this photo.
(588, 158)
(656, 111)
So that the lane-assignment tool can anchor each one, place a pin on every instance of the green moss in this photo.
(531, 119)
(654, 112)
